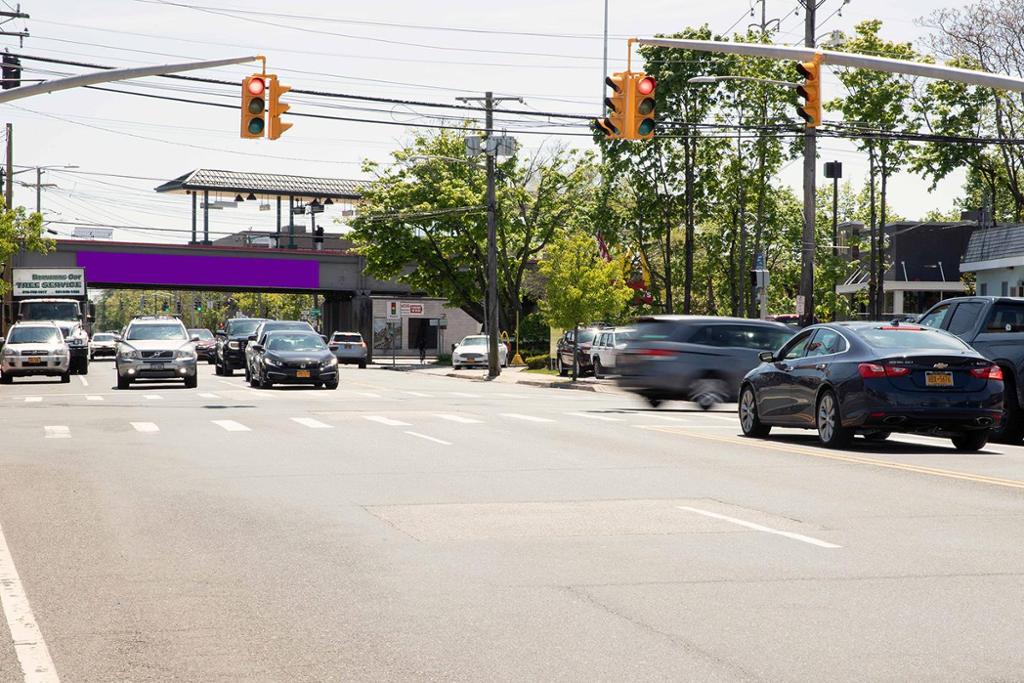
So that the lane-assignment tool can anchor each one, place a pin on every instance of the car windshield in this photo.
(349, 338)
(295, 342)
(66, 331)
(34, 335)
(474, 341)
(202, 333)
(657, 330)
(49, 310)
(286, 325)
(157, 332)
(237, 328)
(911, 339)
(103, 336)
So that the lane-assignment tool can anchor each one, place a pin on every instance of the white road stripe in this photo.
(145, 427)
(231, 425)
(29, 646)
(385, 421)
(154, 397)
(367, 394)
(758, 527)
(594, 416)
(528, 418)
(463, 394)
(510, 395)
(429, 438)
(208, 396)
(418, 394)
(311, 423)
(658, 416)
(85, 382)
(33, 399)
(461, 419)
(93, 398)
(57, 431)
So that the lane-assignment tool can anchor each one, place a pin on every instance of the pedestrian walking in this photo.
(421, 344)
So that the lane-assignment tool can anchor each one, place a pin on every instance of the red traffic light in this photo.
(256, 86)
(646, 85)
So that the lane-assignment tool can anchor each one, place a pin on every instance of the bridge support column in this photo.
(362, 319)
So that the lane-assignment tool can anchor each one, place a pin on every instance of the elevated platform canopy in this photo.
(264, 184)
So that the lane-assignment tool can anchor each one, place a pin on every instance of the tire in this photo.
(123, 382)
(1011, 423)
(969, 442)
(598, 370)
(65, 378)
(562, 370)
(454, 367)
(831, 431)
(318, 385)
(652, 402)
(191, 382)
(331, 385)
(877, 436)
(750, 423)
(362, 365)
(217, 369)
(83, 369)
(248, 375)
(253, 381)
(707, 393)
(6, 379)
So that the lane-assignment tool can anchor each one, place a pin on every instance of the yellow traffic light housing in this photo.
(642, 106)
(616, 124)
(276, 127)
(254, 107)
(810, 90)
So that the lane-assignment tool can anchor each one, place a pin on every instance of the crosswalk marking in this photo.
(231, 425)
(528, 418)
(385, 421)
(208, 396)
(311, 423)
(93, 398)
(85, 382)
(145, 427)
(33, 399)
(57, 432)
(461, 419)
(594, 416)
(154, 397)
(430, 438)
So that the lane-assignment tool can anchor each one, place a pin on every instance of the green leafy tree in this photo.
(20, 230)
(580, 285)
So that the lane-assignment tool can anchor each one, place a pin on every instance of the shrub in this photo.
(444, 359)
(537, 362)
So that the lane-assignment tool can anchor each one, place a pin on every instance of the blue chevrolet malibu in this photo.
(874, 379)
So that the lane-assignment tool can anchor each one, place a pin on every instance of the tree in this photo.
(19, 230)
(580, 286)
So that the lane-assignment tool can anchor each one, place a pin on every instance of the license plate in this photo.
(156, 366)
(938, 379)
(348, 346)
(302, 374)
(35, 360)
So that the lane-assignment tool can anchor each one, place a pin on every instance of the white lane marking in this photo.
(593, 416)
(728, 418)
(145, 427)
(510, 395)
(418, 394)
(207, 395)
(33, 399)
(385, 421)
(85, 382)
(463, 394)
(57, 431)
(154, 397)
(93, 398)
(758, 527)
(528, 418)
(670, 418)
(29, 646)
(461, 419)
(367, 394)
(231, 425)
(429, 438)
(311, 423)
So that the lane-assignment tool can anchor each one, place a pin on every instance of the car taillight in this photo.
(875, 370)
(658, 353)
(992, 372)
(896, 370)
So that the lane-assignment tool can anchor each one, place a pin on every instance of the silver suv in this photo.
(157, 347)
(34, 348)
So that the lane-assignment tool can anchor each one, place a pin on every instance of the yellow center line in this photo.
(856, 459)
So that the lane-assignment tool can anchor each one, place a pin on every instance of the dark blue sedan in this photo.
(873, 379)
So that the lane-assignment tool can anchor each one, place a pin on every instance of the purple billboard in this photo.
(197, 272)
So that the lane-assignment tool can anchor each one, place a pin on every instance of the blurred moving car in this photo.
(34, 348)
(694, 358)
(231, 342)
(874, 379)
(270, 326)
(348, 348)
(606, 348)
(473, 351)
(293, 357)
(156, 347)
(206, 347)
(564, 351)
(102, 344)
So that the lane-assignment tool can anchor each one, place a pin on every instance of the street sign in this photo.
(411, 309)
(759, 261)
(801, 304)
(314, 313)
(391, 312)
(49, 282)
(316, 208)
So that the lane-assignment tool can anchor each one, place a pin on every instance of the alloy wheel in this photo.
(747, 409)
(827, 417)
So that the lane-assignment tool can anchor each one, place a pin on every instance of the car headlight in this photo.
(329, 362)
(233, 345)
(128, 354)
(270, 361)
(185, 354)
(10, 352)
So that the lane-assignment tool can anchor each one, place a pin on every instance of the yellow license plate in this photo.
(938, 379)
(35, 359)
(302, 374)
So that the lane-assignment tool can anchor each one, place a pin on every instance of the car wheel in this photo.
(191, 382)
(831, 431)
(331, 385)
(123, 382)
(707, 393)
(362, 366)
(253, 380)
(1011, 422)
(653, 402)
(750, 423)
(248, 375)
(598, 370)
(877, 436)
(562, 370)
(216, 368)
(6, 379)
(968, 442)
(83, 369)
(263, 382)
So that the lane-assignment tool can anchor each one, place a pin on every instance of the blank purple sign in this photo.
(198, 271)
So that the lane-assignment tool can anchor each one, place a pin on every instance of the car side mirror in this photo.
(257, 347)
(2, 341)
(194, 338)
(118, 338)
(252, 337)
(453, 346)
(767, 356)
(324, 337)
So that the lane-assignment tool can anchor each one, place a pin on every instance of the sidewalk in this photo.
(512, 376)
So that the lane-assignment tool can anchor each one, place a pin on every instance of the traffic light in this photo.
(197, 304)
(275, 127)
(642, 124)
(165, 307)
(254, 106)
(177, 306)
(615, 124)
(11, 71)
(810, 90)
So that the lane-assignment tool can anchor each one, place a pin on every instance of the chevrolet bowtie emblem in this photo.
(941, 366)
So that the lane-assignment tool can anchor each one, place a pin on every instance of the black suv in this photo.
(231, 341)
(994, 326)
(563, 352)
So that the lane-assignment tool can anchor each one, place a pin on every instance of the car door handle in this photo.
(821, 366)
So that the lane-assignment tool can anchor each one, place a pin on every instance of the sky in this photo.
(548, 53)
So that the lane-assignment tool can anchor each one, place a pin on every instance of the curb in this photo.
(533, 383)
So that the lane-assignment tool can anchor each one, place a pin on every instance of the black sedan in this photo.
(874, 379)
(293, 357)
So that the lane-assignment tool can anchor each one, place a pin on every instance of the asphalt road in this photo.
(409, 526)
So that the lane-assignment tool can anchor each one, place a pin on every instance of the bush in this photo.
(537, 362)
(444, 359)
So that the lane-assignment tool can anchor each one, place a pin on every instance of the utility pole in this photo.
(39, 190)
(810, 153)
(9, 178)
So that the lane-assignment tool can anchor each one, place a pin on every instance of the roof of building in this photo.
(999, 241)
(266, 184)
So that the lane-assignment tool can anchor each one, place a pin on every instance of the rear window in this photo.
(348, 338)
(660, 330)
(910, 339)
(1005, 317)
(103, 336)
(743, 337)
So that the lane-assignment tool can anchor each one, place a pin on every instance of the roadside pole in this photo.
(807, 240)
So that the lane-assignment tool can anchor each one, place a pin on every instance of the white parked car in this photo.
(472, 351)
(606, 348)
(34, 348)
